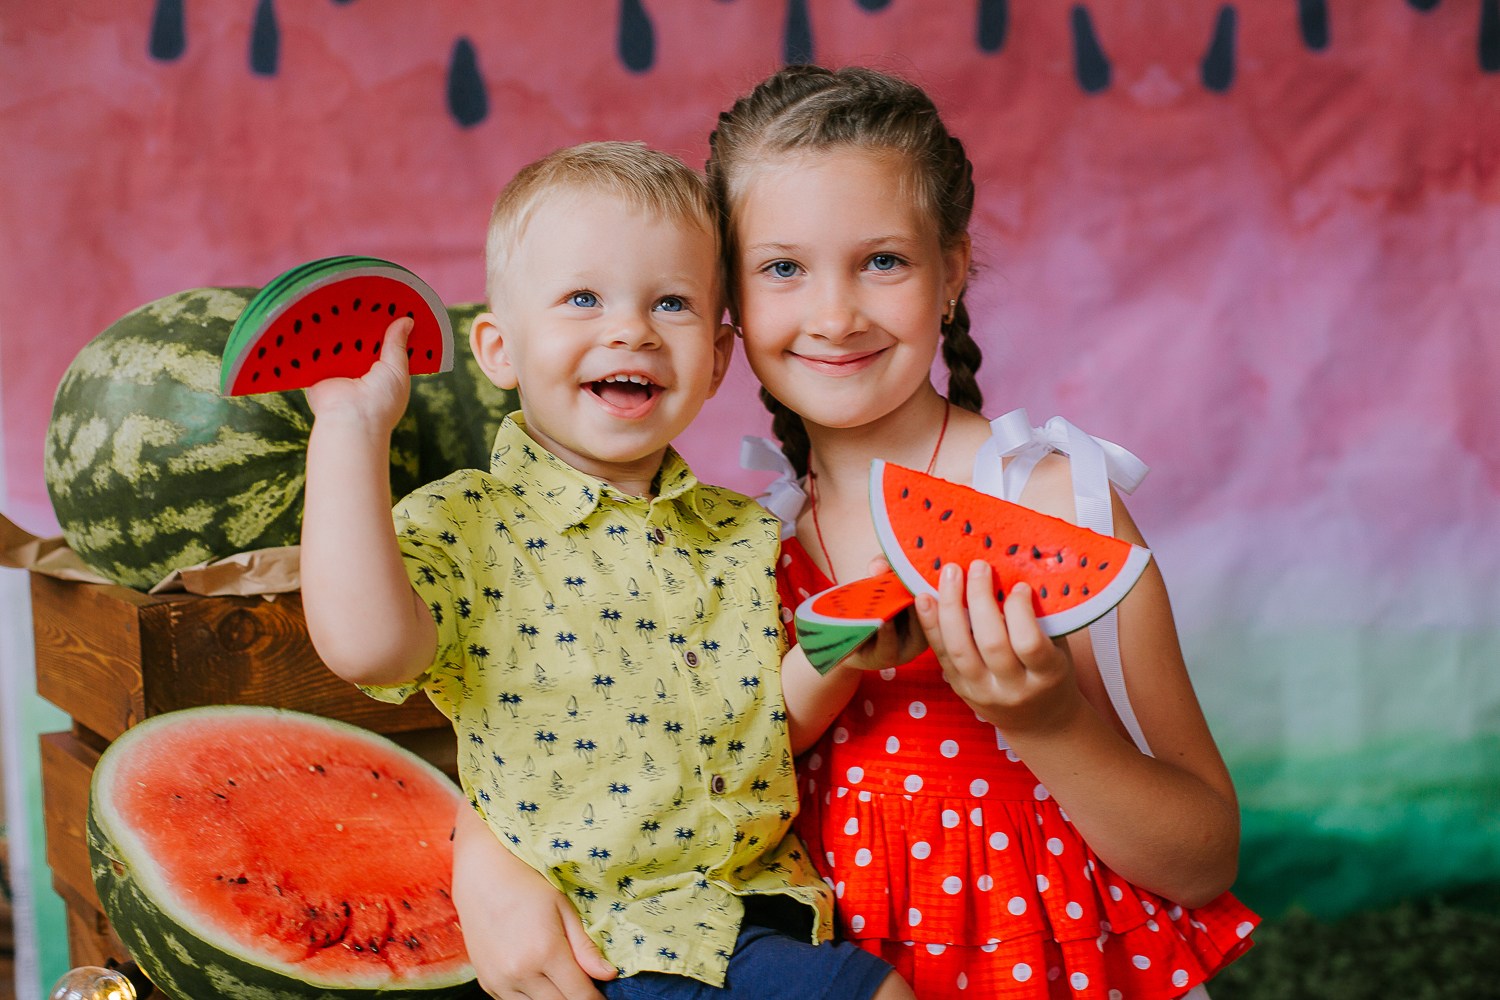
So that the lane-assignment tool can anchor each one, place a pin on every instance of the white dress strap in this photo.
(785, 497)
(1095, 463)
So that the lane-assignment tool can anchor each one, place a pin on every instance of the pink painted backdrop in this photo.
(1261, 249)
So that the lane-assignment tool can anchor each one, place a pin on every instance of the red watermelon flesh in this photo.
(327, 319)
(832, 623)
(278, 848)
(1076, 575)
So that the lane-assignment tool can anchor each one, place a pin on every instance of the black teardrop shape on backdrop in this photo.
(797, 41)
(168, 31)
(1489, 36)
(873, 5)
(467, 101)
(1424, 5)
(636, 40)
(265, 40)
(993, 23)
(1089, 61)
(1218, 62)
(1312, 19)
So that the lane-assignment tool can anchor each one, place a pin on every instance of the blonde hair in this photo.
(809, 109)
(646, 178)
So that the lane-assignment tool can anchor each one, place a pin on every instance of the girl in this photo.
(1005, 816)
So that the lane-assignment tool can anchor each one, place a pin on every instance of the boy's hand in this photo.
(533, 946)
(996, 658)
(378, 398)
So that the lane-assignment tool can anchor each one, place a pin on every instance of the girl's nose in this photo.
(836, 315)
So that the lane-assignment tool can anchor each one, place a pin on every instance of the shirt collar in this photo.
(565, 497)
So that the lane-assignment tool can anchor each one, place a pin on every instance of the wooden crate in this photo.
(111, 657)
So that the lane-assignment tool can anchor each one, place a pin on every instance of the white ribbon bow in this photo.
(784, 497)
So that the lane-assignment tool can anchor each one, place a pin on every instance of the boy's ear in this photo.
(723, 351)
(488, 342)
(956, 262)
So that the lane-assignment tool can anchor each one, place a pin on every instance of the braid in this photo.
(789, 430)
(961, 355)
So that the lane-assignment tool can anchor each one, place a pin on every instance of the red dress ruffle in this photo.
(951, 861)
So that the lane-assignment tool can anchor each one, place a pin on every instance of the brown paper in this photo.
(265, 572)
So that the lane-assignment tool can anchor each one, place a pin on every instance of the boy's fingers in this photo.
(394, 346)
(590, 960)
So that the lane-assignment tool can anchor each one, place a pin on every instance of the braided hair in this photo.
(812, 108)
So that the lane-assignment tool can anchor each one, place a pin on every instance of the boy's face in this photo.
(608, 321)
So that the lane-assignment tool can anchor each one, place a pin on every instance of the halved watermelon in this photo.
(1076, 575)
(832, 623)
(327, 319)
(257, 853)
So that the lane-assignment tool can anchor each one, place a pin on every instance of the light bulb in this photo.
(89, 982)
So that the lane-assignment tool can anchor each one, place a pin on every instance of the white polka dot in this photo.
(1042, 884)
(863, 857)
(840, 734)
(1010, 755)
(814, 761)
(1021, 972)
(888, 674)
(842, 791)
(812, 788)
(1115, 893)
(913, 783)
(976, 816)
(962, 982)
(786, 614)
(917, 709)
(999, 841)
(948, 748)
(1074, 910)
(1180, 978)
(829, 856)
(979, 788)
(828, 796)
(857, 922)
(1079, 981)
(838, 890)
(1054, 847)
(951, 818)
(829, 881)
(984, 883)
(786, 559)
(864, 796)
(869, 708)
(1148, 906)
(1244, 928)
(892, 745)
(914, 916)
(1116, 995)
(1042, 795)
(936, 949)
(990, 946)
(921, 850)
(803, 593)
(1016, 906)
(953, 885)
(1153, 925)
(1140, 961)
(852, 827)
(1175, 913)
(856, 775)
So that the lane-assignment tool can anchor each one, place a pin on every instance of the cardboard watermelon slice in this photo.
(922, 522)
(327, 319)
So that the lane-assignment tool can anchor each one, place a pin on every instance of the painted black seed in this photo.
(296, 363)
(945, 515)
(276, 371)
(338, 347)
(429, 355)
(409, 315)
(968, 528)
(357, 948)
(255, 376)
(317, 353)
(317, 318)
(1066, 589)
(920, 542)
(297, 326)
(375, 775)
(392, 309)
(926, 504)
(230, 781)
(375, 307)
(1059, 557)
(1036, 553)
(334, 310)
(937, 564)
(280, 340)
(988, 541)
(376, 349)
(359, 345)
(242, 880)
(1103, 566)
(1012, 550)
(260, 353)
(905, 493)
(1083, 561)
(410, 351)
(1043, 593)
(356, 303)
(1084, 590)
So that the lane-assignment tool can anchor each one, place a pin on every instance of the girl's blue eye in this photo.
(671, 304)
(885, 262)
(783, 269)
(583, 300)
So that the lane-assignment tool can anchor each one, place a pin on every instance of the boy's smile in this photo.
(608, 322)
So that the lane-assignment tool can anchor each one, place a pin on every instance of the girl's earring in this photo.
(952, 311)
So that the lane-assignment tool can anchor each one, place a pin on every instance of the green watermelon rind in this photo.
(173, 946)
(1061, 622)
(288, 289)
(826, 639)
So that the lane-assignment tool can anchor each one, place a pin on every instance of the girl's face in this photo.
(842, 284)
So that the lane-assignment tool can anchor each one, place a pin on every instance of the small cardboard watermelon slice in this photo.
(832, 623)
(327, 319)
(1076, 575)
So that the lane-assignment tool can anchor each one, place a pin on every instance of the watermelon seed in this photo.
(317, 318)
(280, 340)
(410, 351)
(945, 515)
(375, 775)
(221, 795)
(375, 307)
(297, 326)
(334, 310)
(1012, 550)
(359, 345)
(356, 303)
(242, 880)
(905, 493)
(1103, 566)
(261, 353)
(1083, 561)
(229, 781)
(409, 315)
(276, 371)
(968, 528)
(1084, 590)
(255, 376)
(1066, 588)
(317, 352)
(405, 904)
(937, 563)
(1043, 593)
(376, 351)
(1059, 557)
(338, 347)
(926, 504)
(392, 309)
(296, 363)
(356, 947)
(920, 543)
(429, 355)
(1036, 553)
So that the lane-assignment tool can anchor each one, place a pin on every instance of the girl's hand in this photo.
(378, 398)
(898, 641)
(996, 658)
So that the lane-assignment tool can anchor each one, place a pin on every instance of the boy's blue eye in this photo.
(583, 300)
(671, 304)
(783, 269)
(885, 262)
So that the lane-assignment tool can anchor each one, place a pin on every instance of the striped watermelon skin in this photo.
(150, 469)
(187, 950)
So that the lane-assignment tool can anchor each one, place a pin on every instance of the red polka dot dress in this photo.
(952, 862)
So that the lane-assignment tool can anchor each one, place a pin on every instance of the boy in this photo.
(602, 628)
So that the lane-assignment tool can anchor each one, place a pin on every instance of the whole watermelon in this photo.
(150, 469)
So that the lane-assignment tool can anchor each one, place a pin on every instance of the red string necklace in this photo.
(812, 489)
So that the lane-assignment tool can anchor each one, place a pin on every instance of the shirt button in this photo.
(691, 657)
(659, 535)
(718, 784)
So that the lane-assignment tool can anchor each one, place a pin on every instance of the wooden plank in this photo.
(67, 765)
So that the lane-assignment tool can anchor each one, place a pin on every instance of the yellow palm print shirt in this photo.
(612, 667)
